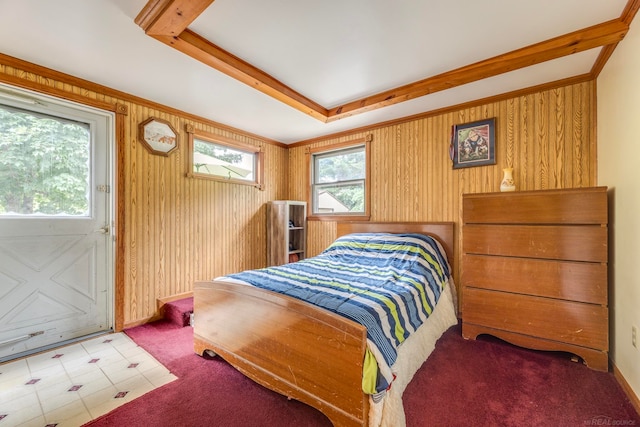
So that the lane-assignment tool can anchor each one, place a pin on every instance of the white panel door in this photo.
(55, 214)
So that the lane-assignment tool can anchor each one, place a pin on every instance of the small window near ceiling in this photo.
(222, 159)
(339, 181)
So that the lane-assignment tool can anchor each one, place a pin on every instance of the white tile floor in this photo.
(72, 385)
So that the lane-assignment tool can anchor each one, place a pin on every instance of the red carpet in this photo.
(491, 383)
(464, 383)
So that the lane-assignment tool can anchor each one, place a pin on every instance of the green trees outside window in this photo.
(44, 164)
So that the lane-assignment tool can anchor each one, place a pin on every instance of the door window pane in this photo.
(44, 164)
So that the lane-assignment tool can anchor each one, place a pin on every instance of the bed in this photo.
(310, 354)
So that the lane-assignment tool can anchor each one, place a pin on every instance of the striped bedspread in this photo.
(389, 283)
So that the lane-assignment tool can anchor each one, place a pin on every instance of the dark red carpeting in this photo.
(463, 383)
(491, 383)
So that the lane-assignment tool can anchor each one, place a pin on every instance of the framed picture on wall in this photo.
(158, 136)
(473, 144)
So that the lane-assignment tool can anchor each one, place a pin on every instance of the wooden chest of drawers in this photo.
(534, 270)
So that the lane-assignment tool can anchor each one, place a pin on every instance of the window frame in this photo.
(312, 152)
(257, 152)
(62, 110)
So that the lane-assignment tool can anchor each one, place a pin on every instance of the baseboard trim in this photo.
(626, 387)
(159, 312)
(162, 301)
(170, 298)
(140, 322)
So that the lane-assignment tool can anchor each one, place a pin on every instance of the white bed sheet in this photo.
(389, 412)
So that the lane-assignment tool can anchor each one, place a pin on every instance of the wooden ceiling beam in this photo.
(167, 21)
(627, 16)
(214, 56)
(607, 33)
(169, 17)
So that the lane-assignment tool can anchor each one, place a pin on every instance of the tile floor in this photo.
(72, 385)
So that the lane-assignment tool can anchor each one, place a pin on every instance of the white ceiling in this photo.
(331, 51)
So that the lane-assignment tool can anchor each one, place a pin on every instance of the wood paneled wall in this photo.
(180, 230)
(176, 229)
(548, 138)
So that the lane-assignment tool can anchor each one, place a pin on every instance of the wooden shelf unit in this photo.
(284, 241)
(534, 270)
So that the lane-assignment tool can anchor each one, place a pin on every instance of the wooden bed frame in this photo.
(292, 347)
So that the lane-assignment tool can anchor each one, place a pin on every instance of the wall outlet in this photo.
(634, 334)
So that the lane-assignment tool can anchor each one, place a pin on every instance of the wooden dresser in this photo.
(534, 270)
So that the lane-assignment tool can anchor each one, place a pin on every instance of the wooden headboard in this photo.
(443, 231)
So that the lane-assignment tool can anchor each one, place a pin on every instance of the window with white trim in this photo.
(339, 176)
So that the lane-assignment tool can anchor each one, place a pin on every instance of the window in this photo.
(222, 159)
(44, 162)
(339, 181)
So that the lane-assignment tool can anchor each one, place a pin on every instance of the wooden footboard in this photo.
(296, 349)
(292, 347)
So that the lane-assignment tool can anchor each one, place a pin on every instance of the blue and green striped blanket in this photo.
(390, 283)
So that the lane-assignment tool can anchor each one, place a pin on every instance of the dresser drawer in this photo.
(569, 242)
(573, 281)
(567, 206)
(580, 324)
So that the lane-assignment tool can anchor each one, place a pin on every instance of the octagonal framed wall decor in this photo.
(158, 136)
